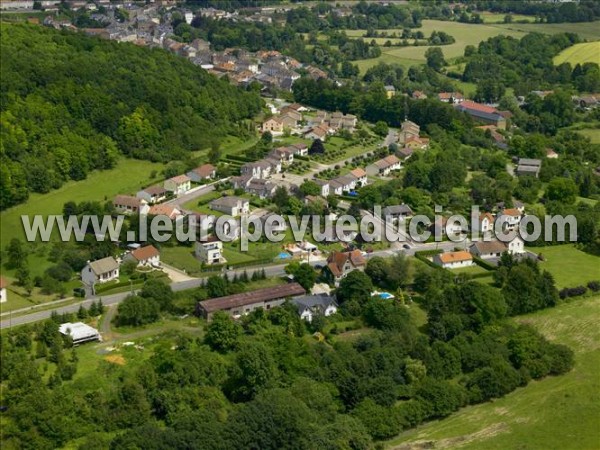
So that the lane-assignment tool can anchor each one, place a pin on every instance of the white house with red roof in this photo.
(178, 185)
(144, 256)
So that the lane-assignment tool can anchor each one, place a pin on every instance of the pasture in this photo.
(128, 177)
(580, 54)
(570, 266)
(554, 413)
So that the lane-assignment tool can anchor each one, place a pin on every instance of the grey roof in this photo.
(228, 201)
(530, 162)
(104, 265)
(320, 302)
(397, 209)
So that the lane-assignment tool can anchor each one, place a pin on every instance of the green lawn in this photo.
(592, 133)
(490, 17)
(580, 54)
(128, 177)
(559, 413)
(569, 266)
(180, 257)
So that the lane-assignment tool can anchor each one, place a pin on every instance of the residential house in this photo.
(3, 292)
(291, 113)
(257, 169)
(178, 185)
(126, 204)
(273, 125)
(169, 211)
(408, 130)
(324, 185)
(397, 212)
(360, 175)
(237, 305)
(100, 271)
(340, 264)
(144, 256)
(310, 306)
(390, 91)
(486, 223)
(347, 182)
(416, 142)
(79, 332)
(441, 227)
(419, 95)
(318, 132)
(404, 153)
(384, 166)
(520, 206)
(498, 138)
(335, 187)
(483, 113)
(453, 260)
(454, 98)
(300, 149)
(153, 194)
(284, 154)
(488, 250)
(511, 218)
(528, 167)
(233, 206)
(516, 246)
(261, 188)
(204, 172)
(210, 251)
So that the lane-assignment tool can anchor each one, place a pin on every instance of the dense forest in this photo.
(268, 382)
(71, 104)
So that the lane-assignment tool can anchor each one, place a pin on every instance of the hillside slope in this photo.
(72, 103)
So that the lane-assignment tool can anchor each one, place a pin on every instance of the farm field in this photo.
(580, 54)
(554, 413)
(464, 33)
(570, 266)
(587, 30)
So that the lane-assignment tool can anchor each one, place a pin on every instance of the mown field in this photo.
(469, 34)
(464, 34)
(580, 54)
(559, 413)
(128, 177)
(570, 266)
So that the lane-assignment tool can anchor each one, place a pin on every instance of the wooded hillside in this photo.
(72, 103)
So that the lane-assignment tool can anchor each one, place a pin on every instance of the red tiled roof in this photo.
(451, 257)
(144, 253)
(205, 170)
(180, 179)
(478, 107)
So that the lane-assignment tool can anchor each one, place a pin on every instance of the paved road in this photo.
(114, 299)
(194, 193)
(391, 137)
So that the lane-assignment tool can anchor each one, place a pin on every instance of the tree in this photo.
(281, 197)
(303, 274)
(158, 291)
(435, 58)
(136, 311)
(255, 370)
(381, 128)
(356, 286)
(214, 155)
(401, 271)
(216, 286)
(309, 187)
(378, 270)
(17, 255)
(563, 190)
(317, 147)
(222, 333)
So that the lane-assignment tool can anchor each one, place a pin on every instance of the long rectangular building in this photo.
(237, 305)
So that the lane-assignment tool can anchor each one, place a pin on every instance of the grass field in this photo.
(464, 34)
(470, 34)
(580, 54)
(128, 177)
(587, 30)
(554, 413)
(490, 17)
(592, 133)
(569, 266)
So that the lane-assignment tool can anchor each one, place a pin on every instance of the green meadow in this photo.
(580, 54)
(556, 413)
